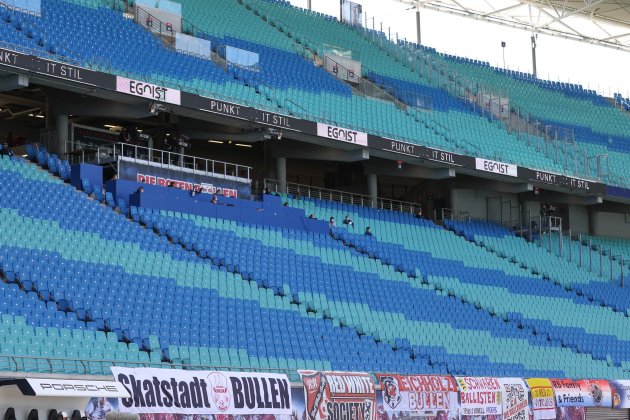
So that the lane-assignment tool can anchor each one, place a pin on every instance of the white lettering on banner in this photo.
(148, 90)
(496, 167)
(342, 134)
(8, 57)
(203, 392)
(205, 188)
(70, 388)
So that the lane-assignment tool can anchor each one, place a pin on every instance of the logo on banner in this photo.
(620, 393)
(342, 134)
(67, 388)
(220, 391)
(391, 391)
(148, 90)
(496, 167)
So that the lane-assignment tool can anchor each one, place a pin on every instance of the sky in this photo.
(602, 69)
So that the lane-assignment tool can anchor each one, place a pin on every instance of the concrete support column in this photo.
(309, 6)
(281, 172)
(372, 184)
(62, 135)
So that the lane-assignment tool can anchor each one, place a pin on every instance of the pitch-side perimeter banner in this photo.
(514, 398)
(542, 399)
(620, 394)
(419, 395)
(338, 395)
(582, 393)
(479, 396)
(203, 392)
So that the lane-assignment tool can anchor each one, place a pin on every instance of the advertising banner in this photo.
(419, 396)
(70, 388)
(148, 90)
(479, 397)
(542, 401)
(582, 393)
(182, 178)
(342, 134)
(515, 399)
(203, 392)
(338, 395)
(98, 407)
(620, 394)
(496, 167)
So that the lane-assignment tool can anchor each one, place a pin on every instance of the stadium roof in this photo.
(601, 22)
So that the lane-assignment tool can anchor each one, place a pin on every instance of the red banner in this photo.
(338, 395)
(419, 395)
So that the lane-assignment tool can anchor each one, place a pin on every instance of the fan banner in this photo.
(338, 395)
(620, 394)
(419, 396)
(479, 397)
(582, 393)
(542, 401)
(203, 392)
(515, 399)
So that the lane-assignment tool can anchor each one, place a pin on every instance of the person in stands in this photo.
(331, 222)
(196, 190)
(6, 150)
(140, 190)
(419, 214)
(368, 231)
(311, 216)
(348, 221)
(214, 200)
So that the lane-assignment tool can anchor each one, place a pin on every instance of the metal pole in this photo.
(601, 262)
(611, 264)
(533, 54)
(418, 32)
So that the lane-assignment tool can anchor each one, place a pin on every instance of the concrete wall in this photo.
(578, 219)
(616, 225)
(485, 204)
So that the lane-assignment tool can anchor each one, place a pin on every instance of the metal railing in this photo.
(75, 366)
(150, 22)
(163, 158)
(310, 191)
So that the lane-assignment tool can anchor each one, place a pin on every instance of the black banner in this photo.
(421, 152)
(57, 69)
(571, 183)
(242, 112)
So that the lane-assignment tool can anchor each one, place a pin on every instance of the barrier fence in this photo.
(323, 395)
(309, 191)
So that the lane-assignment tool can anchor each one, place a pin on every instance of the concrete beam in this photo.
(312, 152)
(518, 188)
(13, 82)
(564, 198)
(408, 171)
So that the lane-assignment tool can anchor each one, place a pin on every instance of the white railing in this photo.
(177, 161)
(310, 191)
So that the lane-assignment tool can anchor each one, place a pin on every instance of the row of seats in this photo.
(310, 92)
